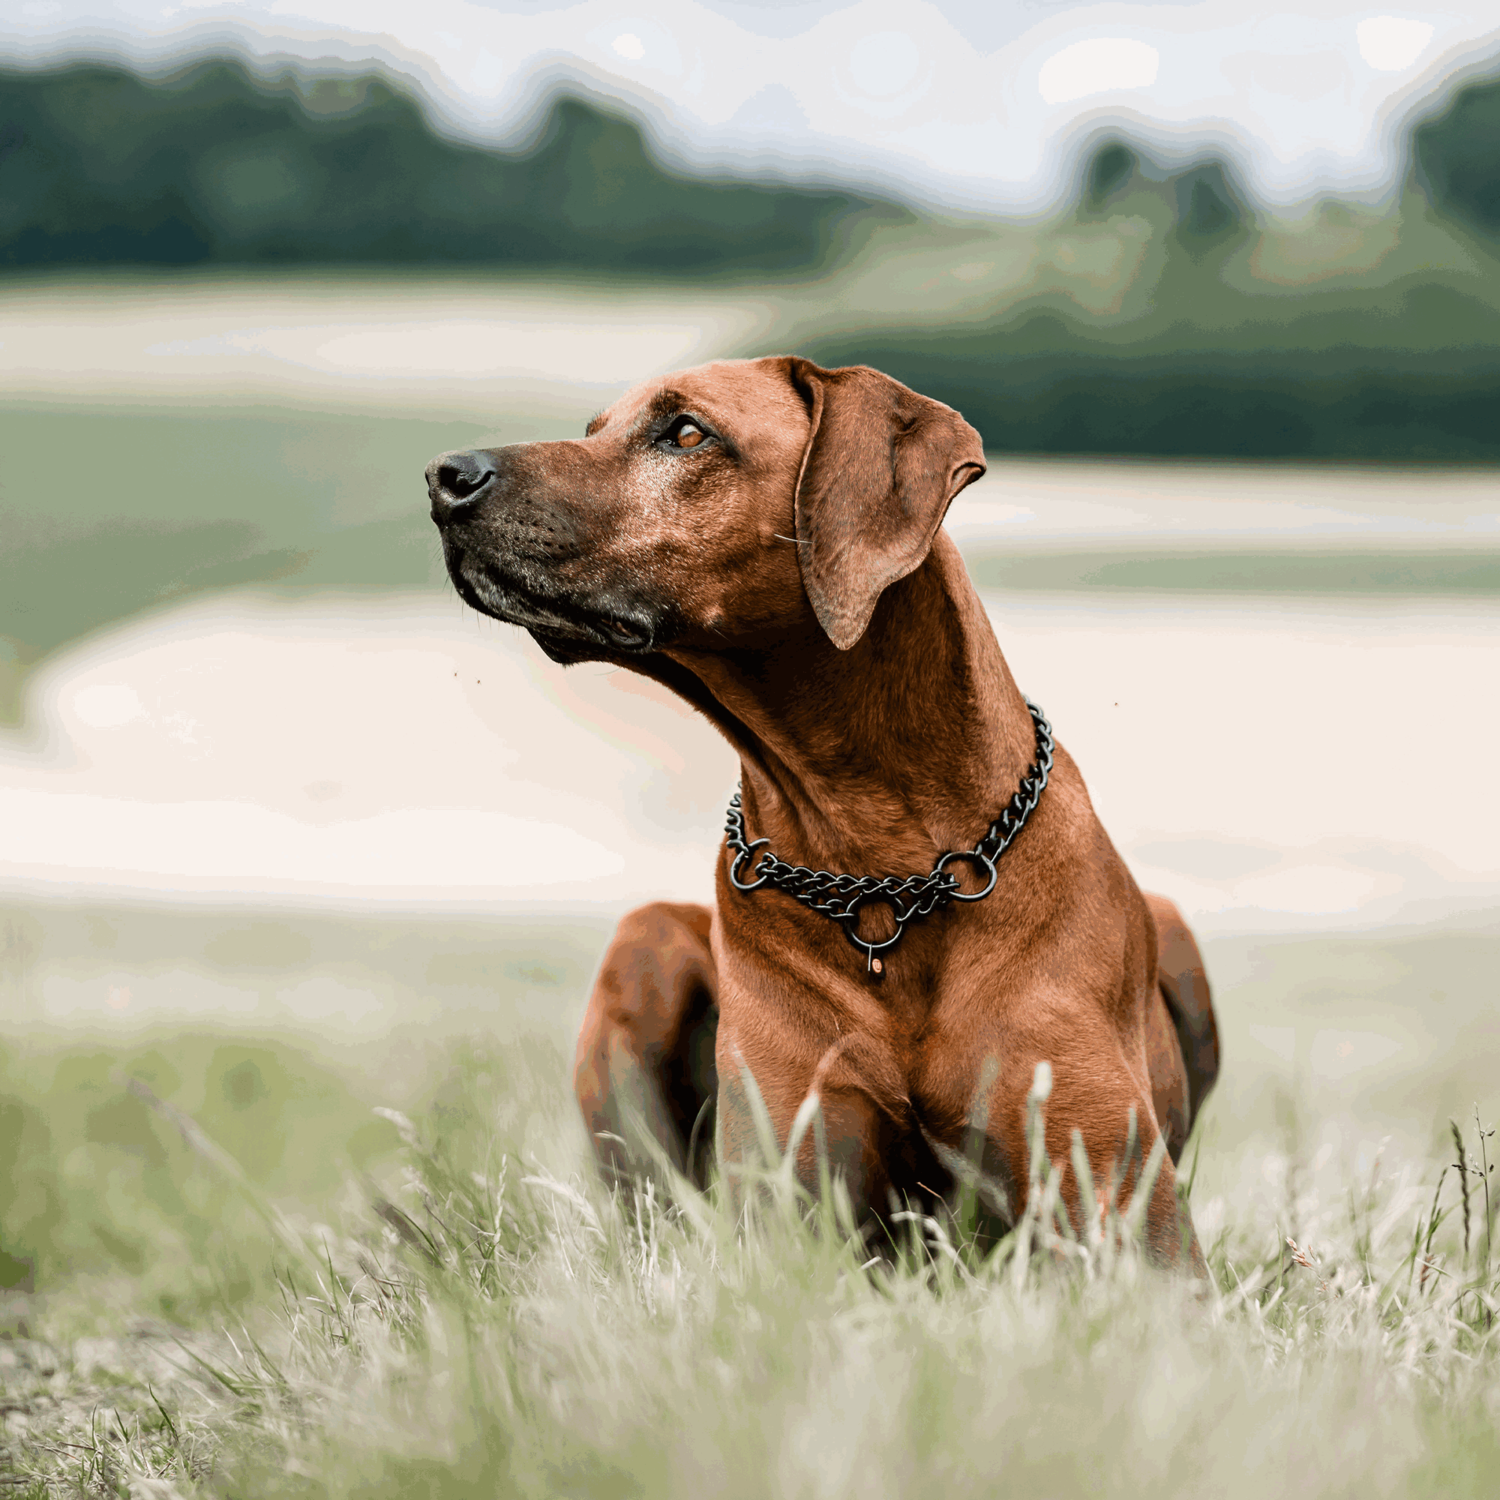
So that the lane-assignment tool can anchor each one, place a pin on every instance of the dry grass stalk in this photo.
(1460, 1161)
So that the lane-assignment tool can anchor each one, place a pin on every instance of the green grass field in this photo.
(266, 1261)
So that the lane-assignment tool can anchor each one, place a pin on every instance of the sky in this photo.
(959, 104)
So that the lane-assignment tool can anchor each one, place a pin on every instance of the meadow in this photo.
(288, 1264)
(297, 1260)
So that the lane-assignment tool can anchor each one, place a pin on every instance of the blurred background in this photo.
(279, 817)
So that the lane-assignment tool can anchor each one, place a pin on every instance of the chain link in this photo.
(841, 897)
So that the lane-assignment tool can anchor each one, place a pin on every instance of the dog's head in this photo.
(713, 508)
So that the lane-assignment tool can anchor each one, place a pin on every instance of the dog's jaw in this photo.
(568, 629)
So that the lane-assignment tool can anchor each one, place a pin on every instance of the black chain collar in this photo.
(841, 897)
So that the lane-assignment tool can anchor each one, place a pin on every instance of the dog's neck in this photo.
(877, 759)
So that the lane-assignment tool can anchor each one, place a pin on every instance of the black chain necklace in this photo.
(841, 897)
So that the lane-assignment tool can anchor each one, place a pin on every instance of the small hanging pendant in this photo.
(875, 966)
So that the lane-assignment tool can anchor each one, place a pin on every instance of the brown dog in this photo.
(764, 538)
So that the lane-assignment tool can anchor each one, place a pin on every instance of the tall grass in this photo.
(486, 1319)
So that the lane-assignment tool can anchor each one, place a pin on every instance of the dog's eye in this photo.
(684, 433)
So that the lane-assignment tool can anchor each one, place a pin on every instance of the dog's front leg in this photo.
(1097, 1101)
(764, 1116)
(644, 1072)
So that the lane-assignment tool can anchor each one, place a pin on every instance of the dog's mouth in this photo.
(561, 623)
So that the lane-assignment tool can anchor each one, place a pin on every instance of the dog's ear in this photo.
(881, 468)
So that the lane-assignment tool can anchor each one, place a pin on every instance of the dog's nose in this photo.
(456, 479)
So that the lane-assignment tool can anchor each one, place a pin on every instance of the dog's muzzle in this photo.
(519, 555)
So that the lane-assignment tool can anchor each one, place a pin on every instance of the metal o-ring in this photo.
(978, 859)
(748, 852)
(871, 949)
(850, 916)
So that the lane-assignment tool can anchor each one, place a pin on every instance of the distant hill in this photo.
(1456, 157)
(1166, 317)
(215, 166)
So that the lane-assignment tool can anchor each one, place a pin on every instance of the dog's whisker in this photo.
(795, 541)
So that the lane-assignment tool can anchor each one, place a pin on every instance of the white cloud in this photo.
(1099, 66)
(648, 49)
(1391, 44)
(884, 63)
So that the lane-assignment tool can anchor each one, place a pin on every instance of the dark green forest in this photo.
(99, 167)
(1456, 158)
